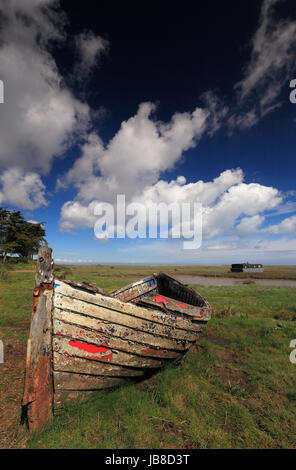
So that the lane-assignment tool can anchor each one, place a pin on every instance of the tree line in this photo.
(19, 238)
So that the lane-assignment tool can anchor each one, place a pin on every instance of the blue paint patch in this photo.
(57, 285)
(150, 281)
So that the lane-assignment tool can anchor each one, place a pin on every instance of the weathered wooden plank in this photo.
(99, 338)
(177, 307)
(64, 397)
(70, 381)
(112, 304)
(103, 313)
(38, 388)
(77, 364)
(102, 353)
(88, 286)
(44, 268)
(112, 329)
(37, 398)
(136, 289)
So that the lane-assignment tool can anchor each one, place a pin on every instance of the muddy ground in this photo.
(12, 434)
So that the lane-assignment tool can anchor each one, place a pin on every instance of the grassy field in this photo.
(270, 272)
(235, 389)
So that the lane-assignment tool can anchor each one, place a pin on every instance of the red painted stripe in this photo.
(182, 305)
(101, 358)
(91, 348)
(160, 298)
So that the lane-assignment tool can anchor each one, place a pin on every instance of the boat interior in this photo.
(170, 287)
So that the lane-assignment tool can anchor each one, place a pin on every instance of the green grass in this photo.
(237, 396)
(252, 300)
(235, 389)
(270, 272)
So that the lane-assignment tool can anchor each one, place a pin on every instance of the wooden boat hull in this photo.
(97, 341)
(100, 342)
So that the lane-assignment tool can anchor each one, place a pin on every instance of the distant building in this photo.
(247, 268)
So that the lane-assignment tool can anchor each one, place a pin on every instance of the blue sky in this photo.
(100, 102)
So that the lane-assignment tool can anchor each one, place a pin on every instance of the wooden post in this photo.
(44, 269)
(38, 387)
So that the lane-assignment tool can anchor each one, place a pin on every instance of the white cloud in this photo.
(286, 226)
(242, 199)
(227, 251)
(135, 157)
(133, 160)
(22, 189)
(75, 215)
(144, 148)
(41, 118)
(248, 226)
(271, 64)
(201, 191)
(281, 244)
(74, 261)
(224, 200)
(39, 115)
(272, 53)
(89, 48)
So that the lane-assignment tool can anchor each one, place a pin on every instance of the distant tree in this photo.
(29, 239)
(19, 237)
(6, 243)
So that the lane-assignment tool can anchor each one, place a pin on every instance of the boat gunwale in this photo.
(185, 314)
(145, 310)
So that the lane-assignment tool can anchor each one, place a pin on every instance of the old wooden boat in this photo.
(83, 339)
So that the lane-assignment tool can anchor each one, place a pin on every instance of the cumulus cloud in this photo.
(225, 200)
(204, 192)
(143, 148)
(40, 116)
(134, 159)
(75, 215)
(249, 226)
(286, 226)
(242, 199)
(24, 190)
